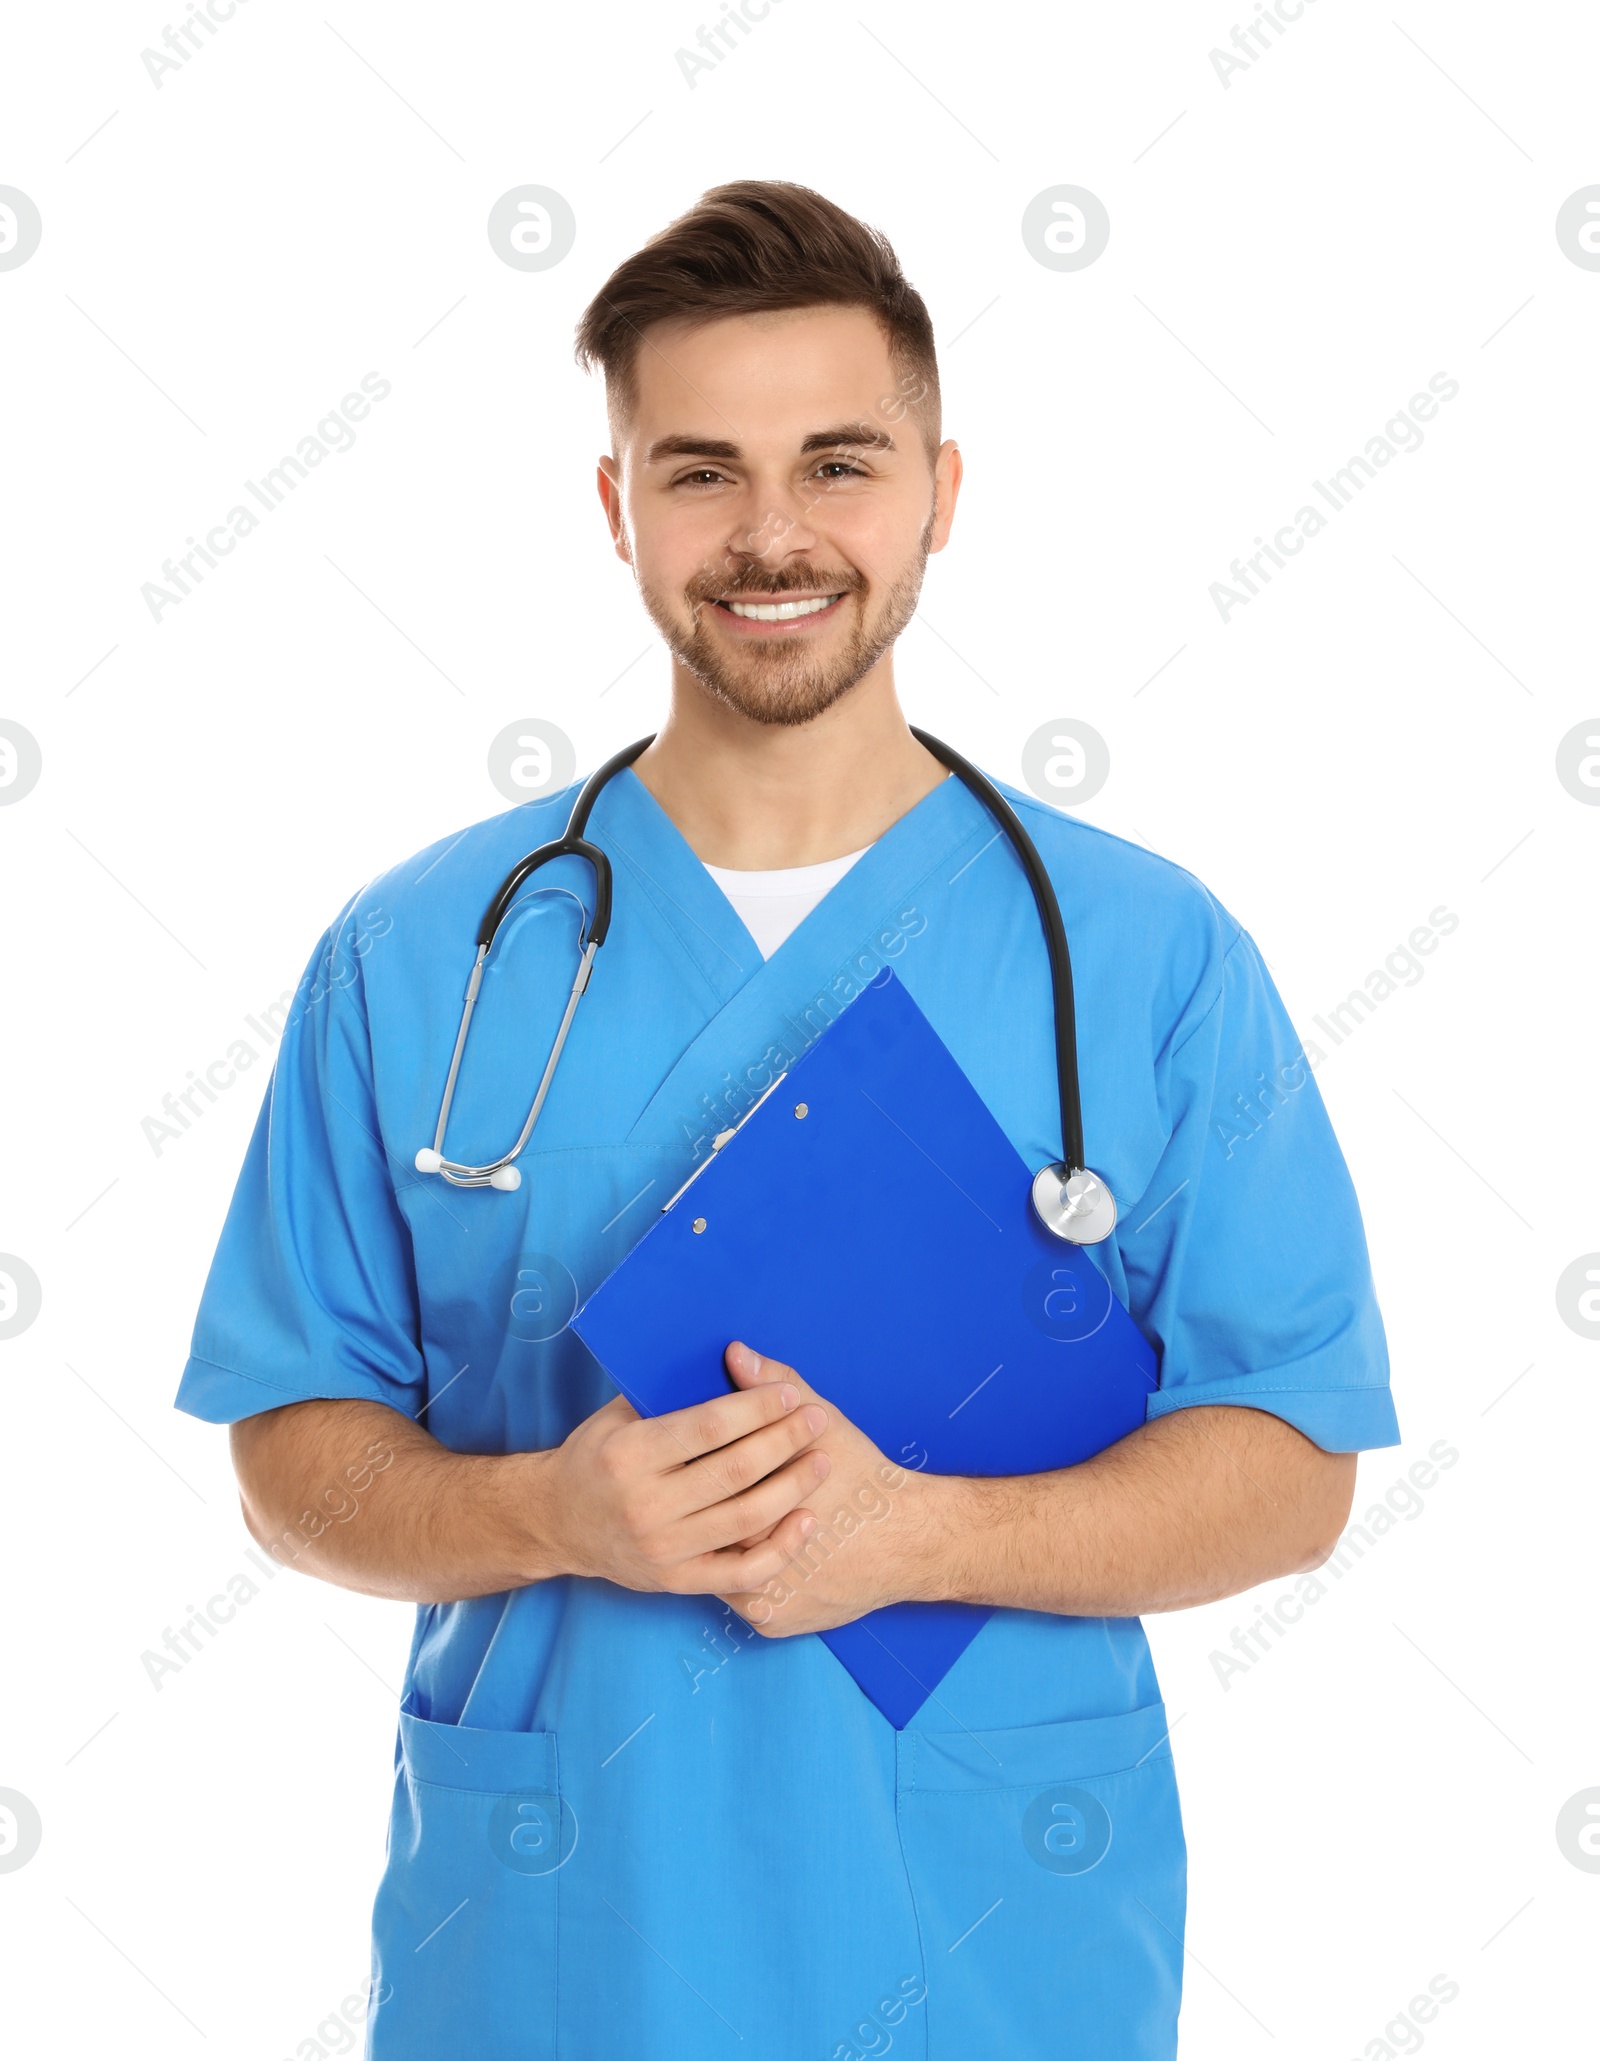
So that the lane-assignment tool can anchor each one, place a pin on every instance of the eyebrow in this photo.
(858, 436)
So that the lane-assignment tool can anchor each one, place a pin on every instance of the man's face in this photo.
(775, 497)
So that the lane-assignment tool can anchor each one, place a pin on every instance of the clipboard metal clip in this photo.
(722, 1138)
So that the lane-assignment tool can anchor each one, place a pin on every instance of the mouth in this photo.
(777, 615)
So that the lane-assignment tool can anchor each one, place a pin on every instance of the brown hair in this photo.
(750, 246)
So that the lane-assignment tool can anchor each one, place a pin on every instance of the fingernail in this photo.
(808, 1525)
(820, 1465)
(788, 1396)
(816, 1417)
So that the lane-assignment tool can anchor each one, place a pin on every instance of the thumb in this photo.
(749, 1370)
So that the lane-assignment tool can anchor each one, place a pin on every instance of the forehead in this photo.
(764, 378)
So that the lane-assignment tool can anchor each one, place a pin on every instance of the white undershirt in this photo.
(770, 905)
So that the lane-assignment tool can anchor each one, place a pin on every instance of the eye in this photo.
(841, 468)
(702, 476)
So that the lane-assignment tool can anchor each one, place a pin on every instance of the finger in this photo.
(755, 1606)
(747, 1367)
(786, 1538)
(743, 1571)
(738, 1518)
(734, 1469)
(704, 1427)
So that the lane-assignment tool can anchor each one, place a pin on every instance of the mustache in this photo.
(753, 583)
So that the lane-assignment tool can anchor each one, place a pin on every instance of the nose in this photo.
(774, 526)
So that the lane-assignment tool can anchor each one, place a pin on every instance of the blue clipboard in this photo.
(869, 1224)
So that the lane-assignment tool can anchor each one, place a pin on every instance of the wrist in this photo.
(531, 1503)
(939, 1513)
(1001, 1541)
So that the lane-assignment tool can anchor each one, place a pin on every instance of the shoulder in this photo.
(1166, 933)
(452, 880)
(1139, 883)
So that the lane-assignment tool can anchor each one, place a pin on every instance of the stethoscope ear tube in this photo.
(1070, 1200)
(1055, 937)
(500, 1173)
(561, 848)
(571, 844)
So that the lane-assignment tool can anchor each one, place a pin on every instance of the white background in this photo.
(1371, 202)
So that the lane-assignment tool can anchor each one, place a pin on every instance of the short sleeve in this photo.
(1246, 1259)
(312, 1291)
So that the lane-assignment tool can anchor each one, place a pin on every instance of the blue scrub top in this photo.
(625, 1824)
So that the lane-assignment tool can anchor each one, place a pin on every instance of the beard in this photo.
(779, 683)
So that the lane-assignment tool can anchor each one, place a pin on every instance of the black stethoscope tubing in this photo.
(1075, 1219)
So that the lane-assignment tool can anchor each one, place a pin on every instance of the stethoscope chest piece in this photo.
(1076, 1206)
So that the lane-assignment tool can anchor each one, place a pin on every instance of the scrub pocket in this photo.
(464, 1926)
(1047, 1865)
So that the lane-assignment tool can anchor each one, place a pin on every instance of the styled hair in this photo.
(748, 247)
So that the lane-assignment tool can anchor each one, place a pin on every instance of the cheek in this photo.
(678, 545)
(878, 543)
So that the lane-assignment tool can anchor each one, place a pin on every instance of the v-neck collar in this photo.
(777, 1005)
(637, 829)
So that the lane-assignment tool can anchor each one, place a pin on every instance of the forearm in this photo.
(359, 1495)
(1189, 1508)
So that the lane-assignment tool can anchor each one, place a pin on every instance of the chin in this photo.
(786, 688)
(788, 700)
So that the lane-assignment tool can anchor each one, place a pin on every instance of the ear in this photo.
(947, 471)
(608, 484)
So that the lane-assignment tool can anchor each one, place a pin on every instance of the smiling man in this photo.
(639, 1810)
(770, 635)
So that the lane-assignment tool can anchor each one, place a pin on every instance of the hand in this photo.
(693, 1503)
(871, 1524)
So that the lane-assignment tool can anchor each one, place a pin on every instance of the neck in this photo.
(758, 796)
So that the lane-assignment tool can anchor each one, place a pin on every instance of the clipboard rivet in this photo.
(802, 1109)
(699, 1225)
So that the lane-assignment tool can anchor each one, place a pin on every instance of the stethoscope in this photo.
(1068, 1198)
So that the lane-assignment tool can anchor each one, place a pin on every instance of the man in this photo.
(639, 1811)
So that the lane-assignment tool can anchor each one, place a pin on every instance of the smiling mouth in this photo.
(779, 611)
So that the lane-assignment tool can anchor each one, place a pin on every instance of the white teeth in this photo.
(778, 611)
